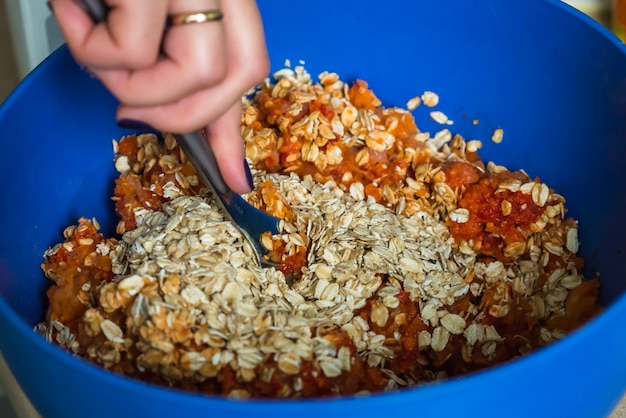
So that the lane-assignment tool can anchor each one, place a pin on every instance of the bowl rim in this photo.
(614, 312)
(590, 21)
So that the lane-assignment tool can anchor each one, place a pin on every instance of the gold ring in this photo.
(196, 17)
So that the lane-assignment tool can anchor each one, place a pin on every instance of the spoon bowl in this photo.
(250, 221)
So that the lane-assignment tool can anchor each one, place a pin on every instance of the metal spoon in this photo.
(251, 222)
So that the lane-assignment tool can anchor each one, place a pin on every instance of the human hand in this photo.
(177, 79)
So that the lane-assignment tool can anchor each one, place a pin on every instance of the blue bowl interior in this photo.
(551, 78)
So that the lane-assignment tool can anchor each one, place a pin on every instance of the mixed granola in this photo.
(414, 260)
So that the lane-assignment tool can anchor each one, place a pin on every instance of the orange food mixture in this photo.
(489, 230)
(487, 223)
(73, 265)
(382, 167)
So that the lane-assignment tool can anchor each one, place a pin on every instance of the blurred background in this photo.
(28, 34)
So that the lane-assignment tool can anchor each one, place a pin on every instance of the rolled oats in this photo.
(386, 295)
(430, 98)
(498, 135)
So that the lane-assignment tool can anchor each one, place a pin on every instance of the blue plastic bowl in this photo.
(552, 78)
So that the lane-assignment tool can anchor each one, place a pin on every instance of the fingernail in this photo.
(248, 174)
(134, 124)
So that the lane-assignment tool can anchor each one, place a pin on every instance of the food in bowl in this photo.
(414, 260)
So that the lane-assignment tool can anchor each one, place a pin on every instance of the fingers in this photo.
(248, 58)
(224, 135)
(129, 38)
(247, 64)
(180, 80)
(193, 58)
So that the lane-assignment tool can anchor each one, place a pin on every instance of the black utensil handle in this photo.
(96, 9)
(197, 149)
